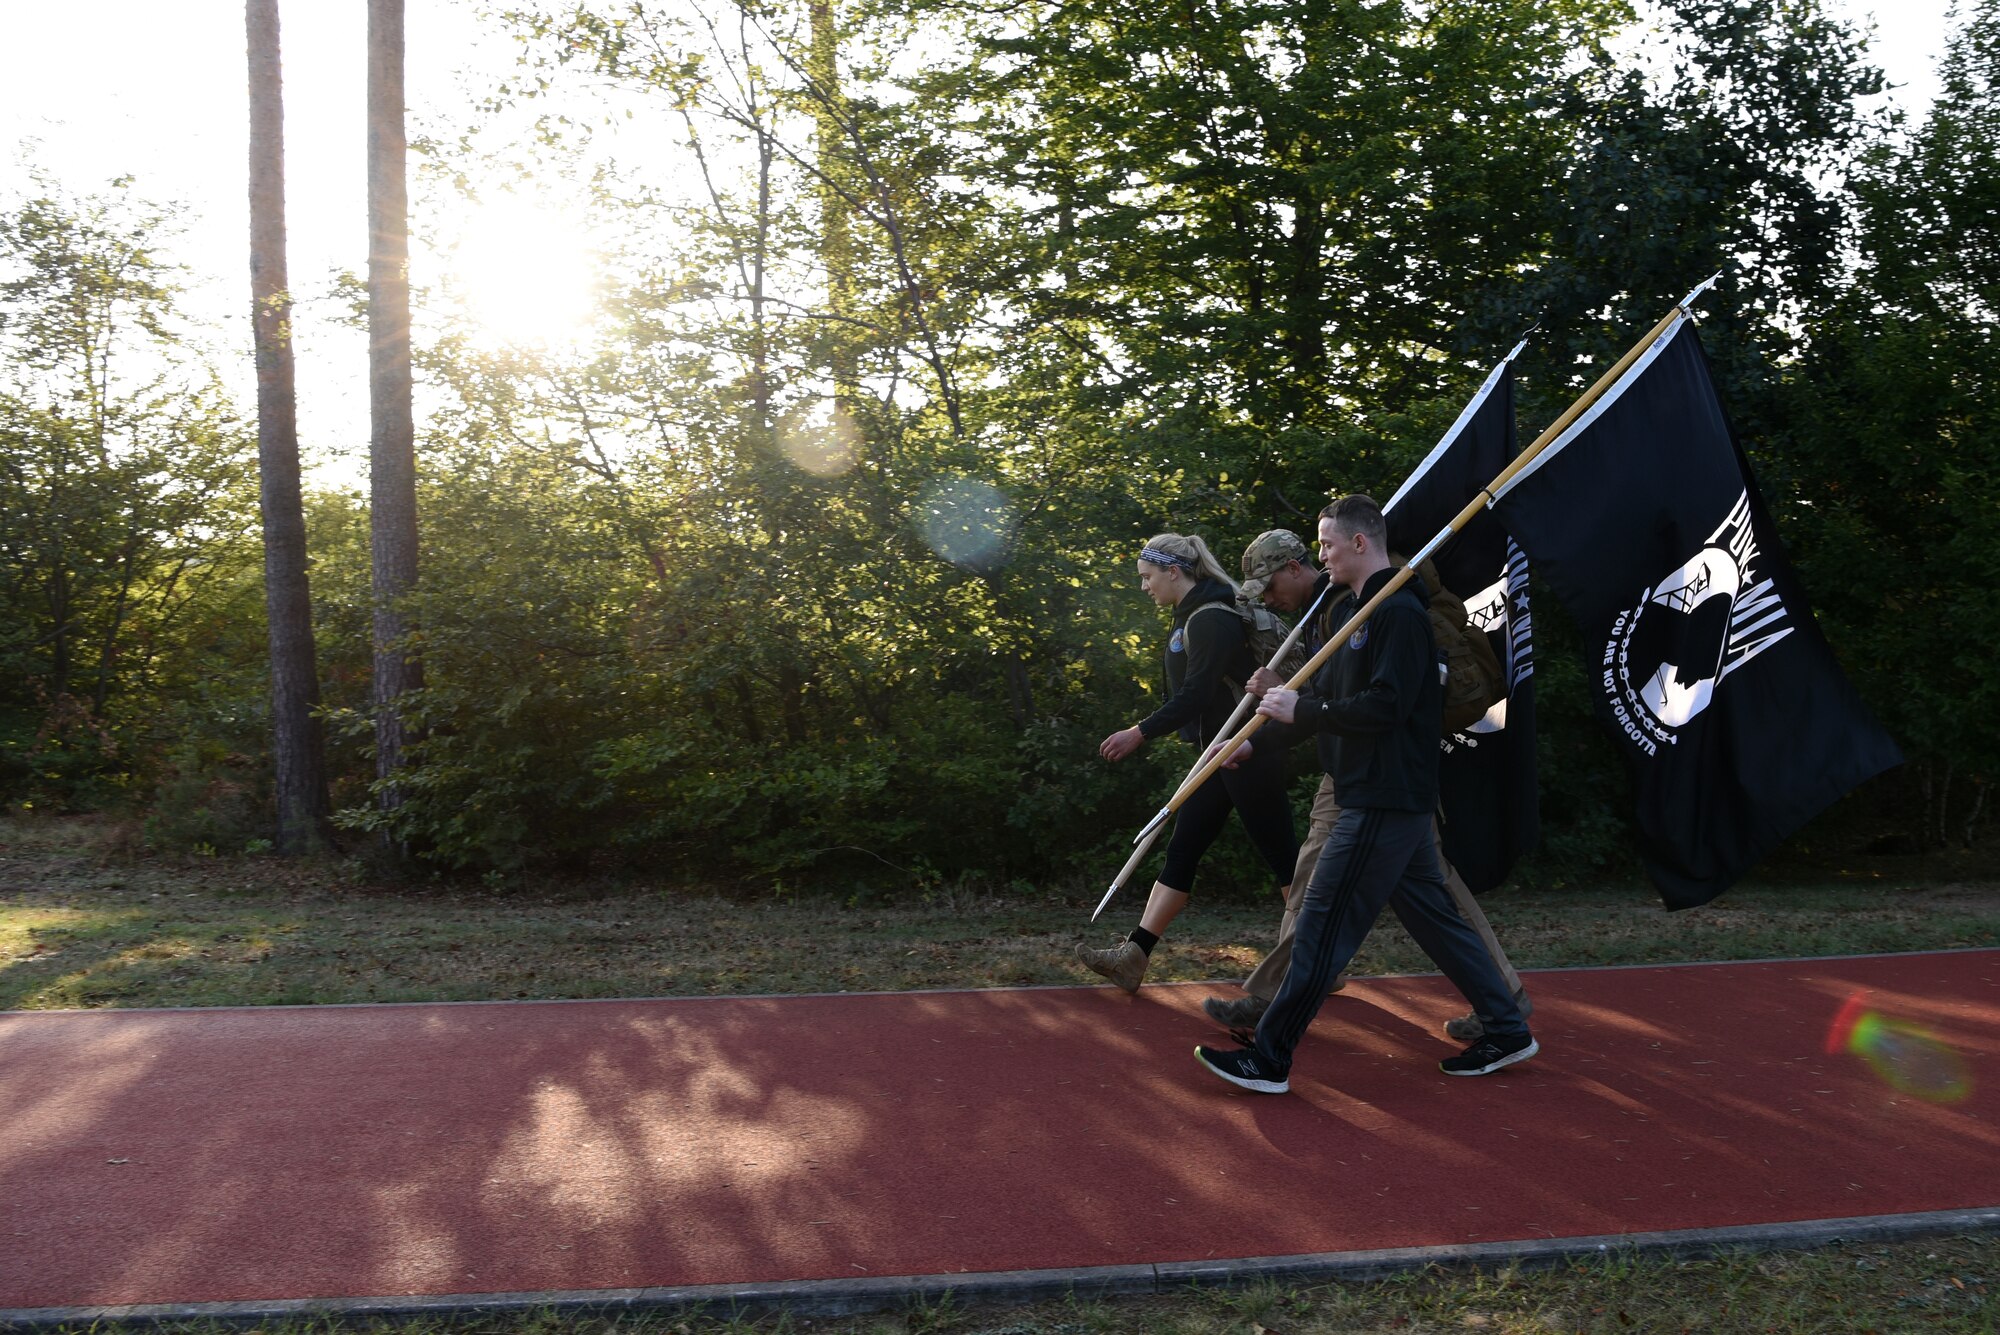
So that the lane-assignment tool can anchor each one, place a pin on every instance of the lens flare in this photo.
(966, 522)
(1907, 1058)
(820, 439)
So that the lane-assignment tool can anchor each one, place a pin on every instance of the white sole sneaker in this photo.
(1255, 1086)
(1534, 1046)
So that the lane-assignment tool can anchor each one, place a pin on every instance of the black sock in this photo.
(1145, 940)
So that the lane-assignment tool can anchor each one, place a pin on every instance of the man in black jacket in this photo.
(1277, 570)
(1375, 707)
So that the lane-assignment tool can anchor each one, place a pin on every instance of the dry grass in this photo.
(83, 925)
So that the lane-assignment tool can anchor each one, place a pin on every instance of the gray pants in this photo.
(1270, 971)
(1372, 858)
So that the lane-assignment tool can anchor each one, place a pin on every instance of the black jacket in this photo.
(1200, 652)
(1377, 704)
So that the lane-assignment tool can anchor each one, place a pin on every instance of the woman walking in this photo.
(1208, 659)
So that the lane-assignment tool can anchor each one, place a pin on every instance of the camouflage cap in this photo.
(1268, 553)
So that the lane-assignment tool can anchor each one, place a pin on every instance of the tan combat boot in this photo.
(1124, 964)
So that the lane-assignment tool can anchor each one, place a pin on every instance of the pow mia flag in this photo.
(1486, 776)
(1709, 669)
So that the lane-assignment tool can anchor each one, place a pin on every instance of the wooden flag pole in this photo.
(1151, 833)
(1217, 756)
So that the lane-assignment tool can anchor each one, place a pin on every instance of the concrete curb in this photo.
(848, 1297)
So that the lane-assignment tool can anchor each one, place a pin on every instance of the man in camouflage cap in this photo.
(1278, 571)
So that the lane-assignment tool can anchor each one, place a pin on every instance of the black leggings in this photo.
(1257, 791)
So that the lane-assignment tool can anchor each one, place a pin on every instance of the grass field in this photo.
(82, 925)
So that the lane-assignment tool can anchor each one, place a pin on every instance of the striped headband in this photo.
(1160, 558)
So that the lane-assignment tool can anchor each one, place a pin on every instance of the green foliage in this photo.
(605, 680)
(815, 553)
(126, 502)
(207, 800)
(1889, 461)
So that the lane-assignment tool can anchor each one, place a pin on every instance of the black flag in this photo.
(1486, 776)
(1739, 726)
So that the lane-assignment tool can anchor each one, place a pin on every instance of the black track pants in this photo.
(1374, 858)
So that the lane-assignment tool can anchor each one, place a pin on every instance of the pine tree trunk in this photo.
(392, 481)
(297, 749)
(836, 212)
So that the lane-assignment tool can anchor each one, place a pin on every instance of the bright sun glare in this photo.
(524, 274)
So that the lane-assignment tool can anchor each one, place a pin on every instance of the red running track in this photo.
(205, 1156)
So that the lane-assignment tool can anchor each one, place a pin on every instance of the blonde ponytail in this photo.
(1189, 553)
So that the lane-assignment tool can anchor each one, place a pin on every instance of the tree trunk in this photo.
(297, 750)
(1020, 690)
(1305, 332)
(836, 240)
(392, 472)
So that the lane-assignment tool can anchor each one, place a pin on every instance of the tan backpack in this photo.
(1265, 633)
(1473, 681)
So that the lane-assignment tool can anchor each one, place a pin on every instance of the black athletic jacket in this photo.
(1376, 705)
(1201, 650)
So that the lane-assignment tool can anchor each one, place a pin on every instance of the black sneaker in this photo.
(1490, 1054)
(1244, 1069)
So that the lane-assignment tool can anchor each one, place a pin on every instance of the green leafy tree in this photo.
(835, 591)
(840, 505)
(1891, 459)
(127, 501)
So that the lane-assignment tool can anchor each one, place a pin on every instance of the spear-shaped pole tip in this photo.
(1106, 900)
